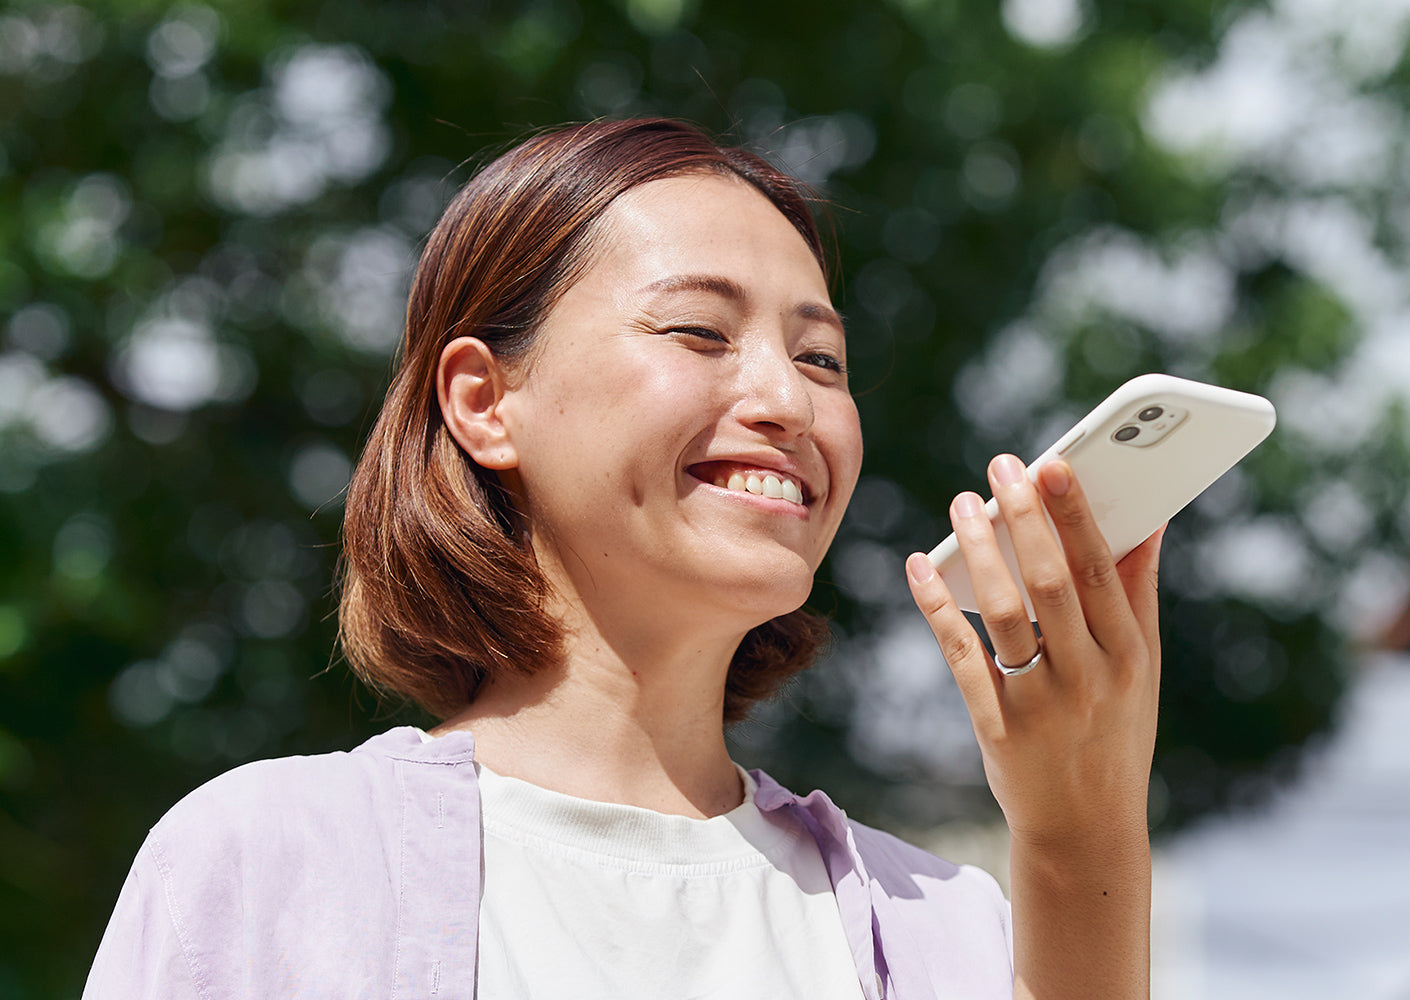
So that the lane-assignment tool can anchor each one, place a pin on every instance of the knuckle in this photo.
(974, 530)
(1048, 588)
(960, 647)
(1009, 619)
(1069, 516)
(1095, 574)
(1019, 503)
(934, 603)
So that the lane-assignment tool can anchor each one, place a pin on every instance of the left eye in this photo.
(702, 332)
(827, 361)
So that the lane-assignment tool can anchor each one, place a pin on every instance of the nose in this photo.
(774, 396)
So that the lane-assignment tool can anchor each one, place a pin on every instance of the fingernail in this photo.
(1056, 478)
(919, 568)
(967, 505)
(1007, 470)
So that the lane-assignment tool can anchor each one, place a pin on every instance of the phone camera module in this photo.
(1148, 424)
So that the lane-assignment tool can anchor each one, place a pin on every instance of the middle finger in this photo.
(1040, 558)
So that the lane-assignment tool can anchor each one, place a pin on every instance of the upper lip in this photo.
(778, 462)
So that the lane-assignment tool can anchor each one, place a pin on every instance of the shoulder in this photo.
(289, 801)
(321, 779)
(291, 854)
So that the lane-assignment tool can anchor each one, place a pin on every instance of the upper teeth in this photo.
(767, 485)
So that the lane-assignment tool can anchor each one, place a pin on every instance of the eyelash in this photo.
(816, 358)
(704, 333)
(826, 361)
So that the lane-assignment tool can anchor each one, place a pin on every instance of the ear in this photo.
(471, 386)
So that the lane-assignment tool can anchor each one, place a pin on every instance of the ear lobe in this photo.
(470, 386)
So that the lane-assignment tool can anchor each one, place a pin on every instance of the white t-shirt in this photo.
(595, 900)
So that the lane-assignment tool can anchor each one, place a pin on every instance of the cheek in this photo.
(843, 434)
(616, 423)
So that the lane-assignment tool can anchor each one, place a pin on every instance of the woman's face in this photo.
(684, 433)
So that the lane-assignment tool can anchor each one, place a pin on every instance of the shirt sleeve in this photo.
(141, 955)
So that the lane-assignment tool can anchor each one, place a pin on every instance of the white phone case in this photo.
(1138, 467)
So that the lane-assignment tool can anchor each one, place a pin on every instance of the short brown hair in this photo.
(439, 591)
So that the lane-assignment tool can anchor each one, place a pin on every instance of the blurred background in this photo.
(208, 218)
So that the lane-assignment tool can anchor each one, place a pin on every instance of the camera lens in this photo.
(1127, 433)
(1150, 413)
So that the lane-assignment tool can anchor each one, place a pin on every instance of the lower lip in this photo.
(773, 506)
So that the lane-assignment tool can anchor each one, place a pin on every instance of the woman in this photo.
(618, 445)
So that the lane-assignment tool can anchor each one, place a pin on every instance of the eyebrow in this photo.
(732, 290)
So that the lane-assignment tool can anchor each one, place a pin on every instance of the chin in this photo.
(768, 597)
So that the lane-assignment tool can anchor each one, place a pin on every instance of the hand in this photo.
(1067, 747)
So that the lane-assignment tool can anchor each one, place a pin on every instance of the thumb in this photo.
(1139, 571)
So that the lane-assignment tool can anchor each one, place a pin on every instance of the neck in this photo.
(636, 721)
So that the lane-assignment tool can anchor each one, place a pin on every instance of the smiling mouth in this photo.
(768, 483)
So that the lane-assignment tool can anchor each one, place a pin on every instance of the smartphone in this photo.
(1141, 456)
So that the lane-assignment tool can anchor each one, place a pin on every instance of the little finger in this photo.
(958, 641)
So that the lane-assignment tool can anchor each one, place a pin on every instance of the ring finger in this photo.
(999, 599)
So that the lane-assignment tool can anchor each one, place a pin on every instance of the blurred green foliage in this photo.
(207, 219)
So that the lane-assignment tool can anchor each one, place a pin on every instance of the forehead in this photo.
(702, 222)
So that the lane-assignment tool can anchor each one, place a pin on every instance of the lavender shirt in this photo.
(357, 874)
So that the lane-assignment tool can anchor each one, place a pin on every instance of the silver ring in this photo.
(1022, 668)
